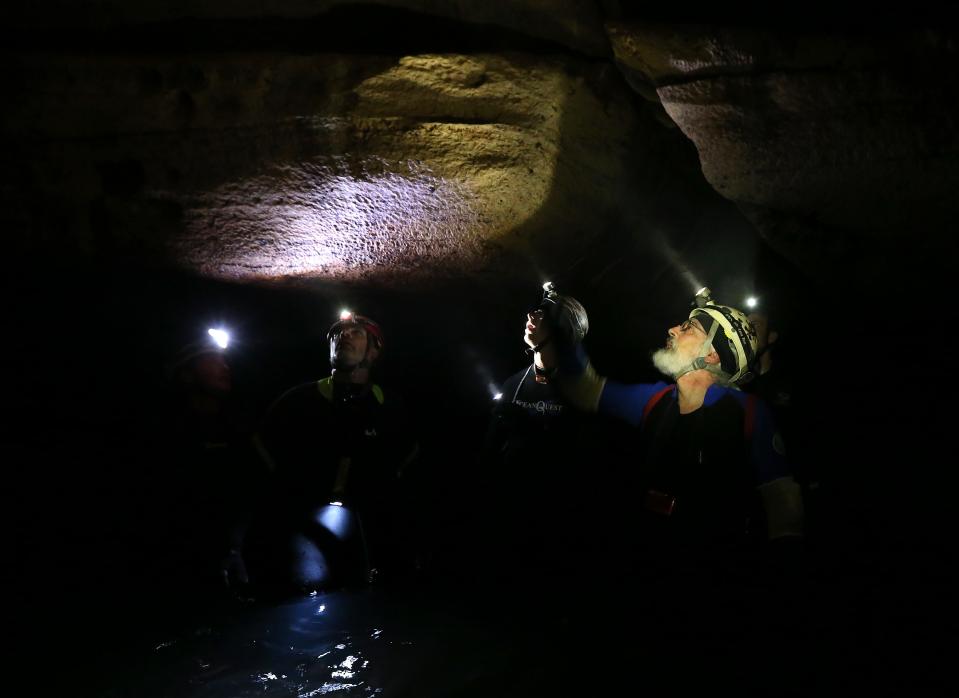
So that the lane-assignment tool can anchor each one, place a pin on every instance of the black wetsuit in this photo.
(696, 479)
(327, 440)
(314, 426)
(544, 473)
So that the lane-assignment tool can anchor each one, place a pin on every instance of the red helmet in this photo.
(348, 318)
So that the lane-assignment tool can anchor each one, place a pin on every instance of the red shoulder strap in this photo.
(652, 402)
(749, 419)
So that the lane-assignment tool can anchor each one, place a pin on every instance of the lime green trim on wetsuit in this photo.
(325, 387)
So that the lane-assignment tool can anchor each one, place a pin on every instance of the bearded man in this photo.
(716, 567)
(707, 448)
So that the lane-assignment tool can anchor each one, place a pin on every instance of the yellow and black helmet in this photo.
(731, 333)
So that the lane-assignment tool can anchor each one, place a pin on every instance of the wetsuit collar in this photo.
(713, 393)
(542, 375)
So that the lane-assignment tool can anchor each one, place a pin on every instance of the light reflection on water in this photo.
(362, 643)
(321, 645)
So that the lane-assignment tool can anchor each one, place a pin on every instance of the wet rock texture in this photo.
(350, 168)
(255, 161)
(841, 149)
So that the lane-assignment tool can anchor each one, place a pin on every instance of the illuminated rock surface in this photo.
(339, 168)
(836, 147)
(291, 146)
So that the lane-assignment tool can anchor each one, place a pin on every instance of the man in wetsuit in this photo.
(341, 439)
(209, 469)
(771, 380)
(529, 408)
(711, 483)
(774, 382)
(532, 455)
(706, 444)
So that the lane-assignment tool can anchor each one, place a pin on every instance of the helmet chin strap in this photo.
(532, 350)
(700, 361)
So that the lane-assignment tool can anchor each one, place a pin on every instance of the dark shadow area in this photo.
(355, 28)
(818, 15)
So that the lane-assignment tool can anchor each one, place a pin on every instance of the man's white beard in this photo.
(670, 362)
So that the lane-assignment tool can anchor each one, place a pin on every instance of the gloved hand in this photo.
(577, 380)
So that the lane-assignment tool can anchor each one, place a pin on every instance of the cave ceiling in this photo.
(464, 139)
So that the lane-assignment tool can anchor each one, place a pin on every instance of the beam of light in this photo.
(220, 337)
(482, 370)
(311, 566)
(677, 263)
(336, 519)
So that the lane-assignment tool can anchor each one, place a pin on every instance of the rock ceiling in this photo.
(385, 167)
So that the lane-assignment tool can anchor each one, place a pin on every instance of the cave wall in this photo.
(345, 168)
(173, 130)
(841, 148)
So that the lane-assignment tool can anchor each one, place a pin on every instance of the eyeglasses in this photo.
(690, 325)
(348, 331)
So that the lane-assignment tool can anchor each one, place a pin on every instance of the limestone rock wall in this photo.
(371, 168)
(313, 144)
(841, 149)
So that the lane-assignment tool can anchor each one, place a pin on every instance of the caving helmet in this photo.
(730, 333)
(564, 313)
(373, 331)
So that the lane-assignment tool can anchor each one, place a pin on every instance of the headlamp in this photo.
(346, 315)
(703, 297)
(549, 293)
(752, 302)
(549, 298)
(220, 337)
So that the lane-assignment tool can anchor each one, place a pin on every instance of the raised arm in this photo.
(586, 390)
